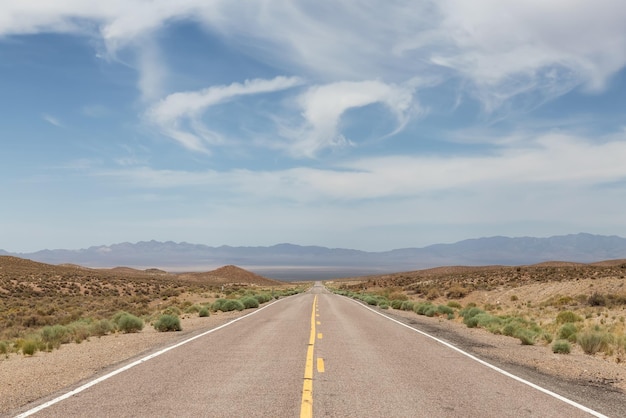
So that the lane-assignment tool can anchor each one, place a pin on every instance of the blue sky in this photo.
(365, 124)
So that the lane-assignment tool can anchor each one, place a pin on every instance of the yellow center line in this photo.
(306, 408)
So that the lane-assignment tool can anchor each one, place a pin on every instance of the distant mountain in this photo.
(287, 260)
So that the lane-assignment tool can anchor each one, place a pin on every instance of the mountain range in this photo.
(289, 261)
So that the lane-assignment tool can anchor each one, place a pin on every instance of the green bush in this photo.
(167, 323)
(29, 347)
(566, 317)
(249, 302)
(407, 305)
(127, 323)
(80, 330)
(217, 305)
(593, 341)
(193, 309)
(370, 300)
(454, 304)
(263, 297)
(526, 336)
(396, 303)
(102, 327)
(469, 316)
(55, 335)
(445, 310)
(561, 347)
(4, 348)
(232, 305)
(422, 308)
(383, 305)
(568, 332)
(203, 312)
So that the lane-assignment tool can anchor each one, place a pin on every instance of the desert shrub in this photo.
(469, 315)
(398, 296)
(263, 297)
(526, 336)
(596, 300)
(55, 335)
(593, 341)
(445, 310)
(383, 305)
(407, 305)
(203, 312)
(547, 337)
(510, 329)
(193, 308)
(561, 347)
(4, 348)
(29, 347)
(396, 304)
(127, 323)
(80, 330)
(514, 298)
(167, 322)
(232, 305)
(490, 322)
(102, 327)
(370, 300)
(565, 317)
(217, 305)
(421, 308)
(249, 302)
(432, 294)
(172, 310)
(454, 304)
(568, 332)
(457, 292)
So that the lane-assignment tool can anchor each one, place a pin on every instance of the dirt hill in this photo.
(230, 274)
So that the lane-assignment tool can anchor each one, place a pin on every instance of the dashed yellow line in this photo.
(320, 365)
(306, 407)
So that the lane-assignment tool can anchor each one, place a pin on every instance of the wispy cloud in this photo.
(52, 120)
(503, 49)
(548, 161)
(322, 108)
(184, 109)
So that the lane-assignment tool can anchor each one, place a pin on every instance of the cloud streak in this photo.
(172, 112)
(552, 160)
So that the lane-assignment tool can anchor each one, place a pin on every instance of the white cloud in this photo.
(52, 120)
(171, 113)
(504, 48)
(547, 162)
(323, 106)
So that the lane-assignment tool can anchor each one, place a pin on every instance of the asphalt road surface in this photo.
(314, 354)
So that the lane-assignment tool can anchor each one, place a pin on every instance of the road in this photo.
(314, 354)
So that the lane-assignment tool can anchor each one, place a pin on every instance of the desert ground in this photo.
(35, 296)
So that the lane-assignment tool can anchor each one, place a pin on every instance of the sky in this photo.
(371, 125)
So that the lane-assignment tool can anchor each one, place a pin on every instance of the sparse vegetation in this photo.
(167, 322)
(126, 322)
(530, 303)
(561, 347)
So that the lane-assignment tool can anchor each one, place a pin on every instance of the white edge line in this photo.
(133, 364)
(491, 366)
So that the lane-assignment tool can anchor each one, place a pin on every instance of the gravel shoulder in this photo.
(26, 379)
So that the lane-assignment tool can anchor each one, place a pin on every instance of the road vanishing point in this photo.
(316, 354)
